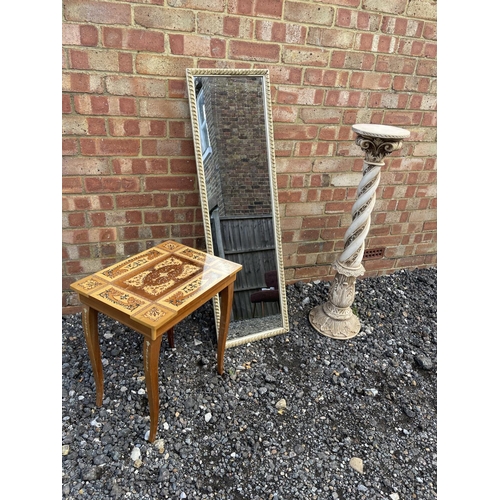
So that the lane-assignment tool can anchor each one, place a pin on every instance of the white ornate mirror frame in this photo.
(237, 336)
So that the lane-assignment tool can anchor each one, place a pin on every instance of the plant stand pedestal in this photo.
(335, 318)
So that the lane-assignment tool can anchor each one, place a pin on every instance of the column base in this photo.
(341, 329)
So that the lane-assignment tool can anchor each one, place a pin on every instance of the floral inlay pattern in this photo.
(91, 284)
(119, 298)
(154, 314)
(194, 254)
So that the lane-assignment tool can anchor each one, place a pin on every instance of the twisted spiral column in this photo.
(335, 318)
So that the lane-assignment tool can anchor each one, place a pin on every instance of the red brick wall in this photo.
(129, 174)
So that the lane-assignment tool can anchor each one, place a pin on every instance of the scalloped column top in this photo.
(382, 131)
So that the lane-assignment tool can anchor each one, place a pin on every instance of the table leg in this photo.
(226, 302)
(170, 335)
(151, 357)
(89, 320)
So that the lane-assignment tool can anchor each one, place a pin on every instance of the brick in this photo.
(281, 74)
(163, 108)
(320, 115)
(325, 77)
(425, 149)
(139, 165)
(388, 101)
(164, 18)
(112, 184)
(353, 60)
(218, 24)
(284, 114)
(98, 60)
(371, 81)
(291, 165)
(82, 82)
(307, 13)
(180, 129)
(402, 26)
(66, 104)
(152, 147)
(69, 147)
(251, 51)
(263, 8)
(104, 105)
(110, 147)
(426, 68)
(347, 18)
(410, 47)
(97, 12)
(302, 96)
(85, 166)
(135, 86)
(134, 200)
(423, 101)
(411, 83)
(389, 6)
(430, 31)
(71, 185)
(170, 183)
(395, 64)
(133, 39)
(426, 9)
(198, 46)
(295, 132)
(305, 56)
(177, 89)
(214, 5)
(80, 34)
(325, 37)
(121, 127)
(343, 98)
(375, 43)
(271, 31)
(172, 66)
(314, 149)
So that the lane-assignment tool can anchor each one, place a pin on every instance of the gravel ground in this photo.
(296, 416)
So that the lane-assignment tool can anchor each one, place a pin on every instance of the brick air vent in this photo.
(373, 253)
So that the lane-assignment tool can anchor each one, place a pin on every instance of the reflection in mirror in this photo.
(232, 129)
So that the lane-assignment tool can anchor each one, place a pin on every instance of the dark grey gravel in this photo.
(372, 398)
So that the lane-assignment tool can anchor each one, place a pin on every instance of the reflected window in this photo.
(206, 149)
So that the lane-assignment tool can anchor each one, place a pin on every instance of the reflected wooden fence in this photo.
(249, 241)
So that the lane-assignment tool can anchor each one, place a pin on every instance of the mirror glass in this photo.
(233, 138)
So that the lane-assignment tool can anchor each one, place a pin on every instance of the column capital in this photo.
(377, 141)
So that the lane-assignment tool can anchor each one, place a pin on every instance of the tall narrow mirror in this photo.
(234, 146)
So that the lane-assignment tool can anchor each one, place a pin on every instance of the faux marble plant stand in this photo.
(335, 318)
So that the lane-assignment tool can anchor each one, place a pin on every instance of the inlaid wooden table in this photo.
(151, 292)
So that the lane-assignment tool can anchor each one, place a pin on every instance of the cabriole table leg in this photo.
(151, 357)
(90, 330)
(226, 301)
